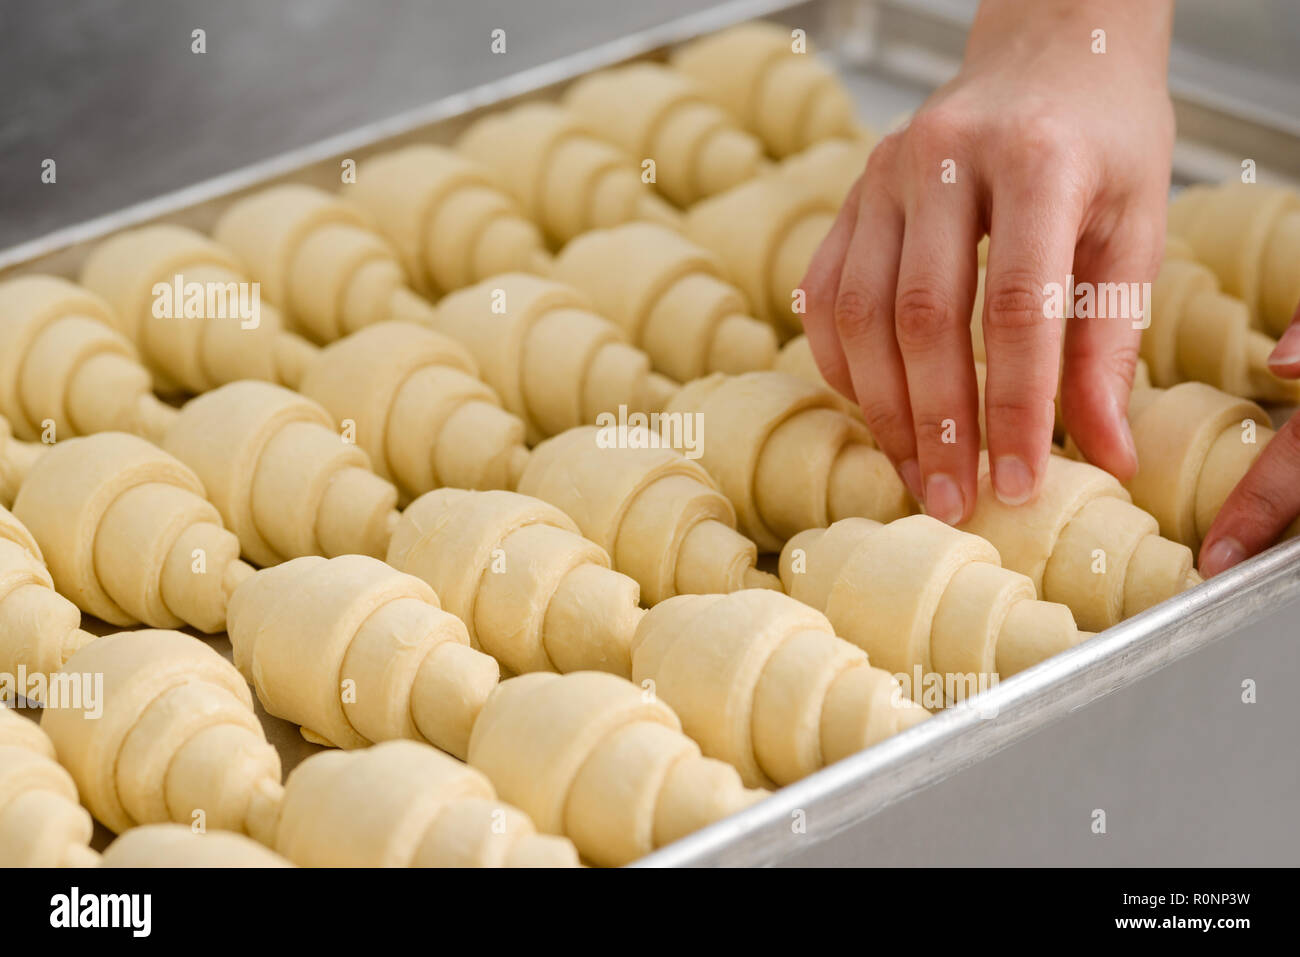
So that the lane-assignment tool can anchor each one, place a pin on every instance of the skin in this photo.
(1062, 156)
(1267, 499)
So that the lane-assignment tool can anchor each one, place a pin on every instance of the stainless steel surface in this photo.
(898, 51)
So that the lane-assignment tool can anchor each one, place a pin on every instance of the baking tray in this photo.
(891, 54)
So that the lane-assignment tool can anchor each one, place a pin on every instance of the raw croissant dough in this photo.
(417, 408)
(65, 370)
(676, 304)
(789, 99)
(177, 736)
(762, 682)
(650, 111)
(566, 180)
(554, 362)
(595, 758)
(1084, 544)
(1199, 333)
(1250, 236)
(657, 513)
(128, 535)
(356, 651)
(533, 592)
(16, 460)
(177, 845)
(196, 353)
(828, 168)
(1194, 444)
(450, 223)
(919, 594)
(786, 457)
(283, 479)
(41, 822)
(318, 260)
(765, 233)
(404, 804)
(39, 628)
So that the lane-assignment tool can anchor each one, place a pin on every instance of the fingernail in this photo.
(943, 499)
(1012, 481)
(910, 473)
(1286, 352)
(1221, 556)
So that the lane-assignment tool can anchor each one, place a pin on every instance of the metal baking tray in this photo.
(891, 53)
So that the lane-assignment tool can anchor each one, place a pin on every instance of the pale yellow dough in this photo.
(555, 363)
(128, 535)
(1249, 235)
(566, 180)
(762, 682)
(318, 260)
(765, 234)
(657, 513)
(920, 596)
(790, 100)
(177, 739)
(415, 405)
(676, 304)
(39, 628)
(405, 804)
(651, 111)
(356, 652)
(533, 592)
(65, 369)
(1201, 334)
(830, 167)
(1084, 544)
(451, 224)
(189, 354)
(787, 457)
(1194, 444)
(601, 761)
(177, 845)
(284, 481)
(41, 822)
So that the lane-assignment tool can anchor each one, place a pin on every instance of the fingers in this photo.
(1032, 235)
(864, 323)
(1285, 359)
(1101, 350)
(936, 284)
(1260, 507)
(820, 284)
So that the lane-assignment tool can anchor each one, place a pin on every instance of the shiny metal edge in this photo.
(860, 786)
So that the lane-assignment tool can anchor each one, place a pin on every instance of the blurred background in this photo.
(111, 90)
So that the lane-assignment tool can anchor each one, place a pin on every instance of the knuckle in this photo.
(887, 422)
(1039, 137)
(1020, 414)
(924, 318)
(1013, 303)
(857, 307)
(933, 133)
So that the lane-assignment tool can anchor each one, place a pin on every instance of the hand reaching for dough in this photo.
(1062, 155)
(1267, 500)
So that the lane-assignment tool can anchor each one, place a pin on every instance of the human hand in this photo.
(1062, 155)
(1267, 498)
